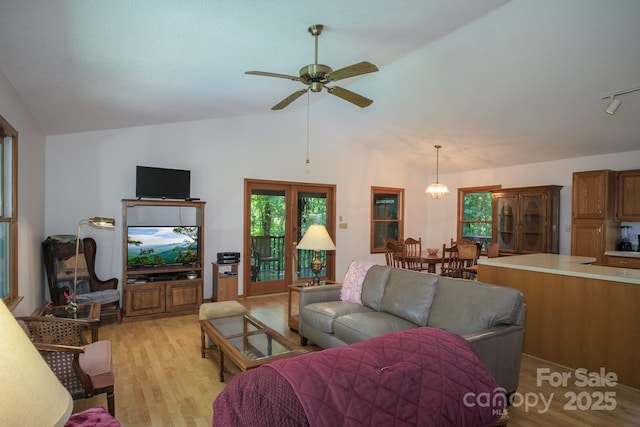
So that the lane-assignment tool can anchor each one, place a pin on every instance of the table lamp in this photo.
(31, 393)
(316, 239)
(95, 222)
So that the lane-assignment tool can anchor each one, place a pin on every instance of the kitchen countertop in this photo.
(630, 254)
(565, 265)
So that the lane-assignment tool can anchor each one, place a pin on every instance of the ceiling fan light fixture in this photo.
(437, 190)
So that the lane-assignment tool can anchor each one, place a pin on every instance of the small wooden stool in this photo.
(215, 310)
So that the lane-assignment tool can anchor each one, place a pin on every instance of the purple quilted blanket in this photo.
(417, 377)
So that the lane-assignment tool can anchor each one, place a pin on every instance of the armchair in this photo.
(59, 262)
(83, 369)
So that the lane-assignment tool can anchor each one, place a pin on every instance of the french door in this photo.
(276, 216)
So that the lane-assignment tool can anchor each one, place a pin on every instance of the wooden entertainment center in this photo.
(159, 290)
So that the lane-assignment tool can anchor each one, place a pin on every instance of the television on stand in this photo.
(162, 246)
(162, 183)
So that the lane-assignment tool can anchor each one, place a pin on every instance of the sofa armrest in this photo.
(323, 293)
(500, 348)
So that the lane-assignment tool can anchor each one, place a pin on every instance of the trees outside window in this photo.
(475, 214)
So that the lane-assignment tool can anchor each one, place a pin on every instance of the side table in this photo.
(293, 318)
(88, 313)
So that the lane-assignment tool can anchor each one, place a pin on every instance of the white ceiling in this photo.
(495, 82)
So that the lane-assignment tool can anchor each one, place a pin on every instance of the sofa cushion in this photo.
(351, 290)
(463, 306)
(357, 327)
(373, 286)
(409, 295)
(320, 315)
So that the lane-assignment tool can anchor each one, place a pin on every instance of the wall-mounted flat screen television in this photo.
(162, 246)
(161, 183)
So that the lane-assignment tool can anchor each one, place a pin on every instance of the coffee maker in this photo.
(624, 244)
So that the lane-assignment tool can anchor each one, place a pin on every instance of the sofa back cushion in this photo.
(409, 295)
(464, 306)
(373, 286)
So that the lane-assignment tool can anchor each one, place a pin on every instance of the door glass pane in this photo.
(507, 223)
(267, 235)
(312, 209)
(531, 224)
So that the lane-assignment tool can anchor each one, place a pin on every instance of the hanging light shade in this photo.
(437, 190)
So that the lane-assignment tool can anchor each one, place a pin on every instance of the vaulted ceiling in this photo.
(495, 82)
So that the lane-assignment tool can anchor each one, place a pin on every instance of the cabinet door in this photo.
(589, 194)
(506, 222)
(184, 296)
(143, 299)
(532, 223)
(629, 195)
(587, 240)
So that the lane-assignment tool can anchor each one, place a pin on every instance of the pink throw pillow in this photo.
(352, 284)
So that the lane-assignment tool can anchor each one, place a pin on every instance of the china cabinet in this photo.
(525, 220)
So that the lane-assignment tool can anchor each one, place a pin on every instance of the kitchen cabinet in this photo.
(594, 229)
(628, 183)
(525, 220)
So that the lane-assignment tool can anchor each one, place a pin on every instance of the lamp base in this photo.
(316, 268)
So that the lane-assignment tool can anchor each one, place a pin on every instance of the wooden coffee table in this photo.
(88, 313)
(248, 342)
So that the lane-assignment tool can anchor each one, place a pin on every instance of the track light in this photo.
(614, 102)
(613, 106)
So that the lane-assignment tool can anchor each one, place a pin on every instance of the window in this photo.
(8, 214)
(475, 221)
(387, 216)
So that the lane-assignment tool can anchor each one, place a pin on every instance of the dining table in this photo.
(424, 258)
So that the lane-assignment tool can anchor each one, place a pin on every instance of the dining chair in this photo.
(468, 261)
(450, 262)
(393, 251)
(413, 249)
(83, 369)
(493, 250)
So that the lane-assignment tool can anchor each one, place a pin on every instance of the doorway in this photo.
(276, 216)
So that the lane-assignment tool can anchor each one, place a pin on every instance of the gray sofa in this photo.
(490, 317)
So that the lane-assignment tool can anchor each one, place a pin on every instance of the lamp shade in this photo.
(316, 239)
(31, 393)
(437, 190)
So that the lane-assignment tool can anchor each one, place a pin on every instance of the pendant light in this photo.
(437, 190)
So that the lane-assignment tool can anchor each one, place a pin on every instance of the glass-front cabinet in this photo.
(526, 219)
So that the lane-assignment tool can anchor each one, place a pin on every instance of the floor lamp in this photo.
(316, 239)
(31, 393)
(95, 222)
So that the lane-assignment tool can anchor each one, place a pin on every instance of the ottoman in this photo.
(214, 310)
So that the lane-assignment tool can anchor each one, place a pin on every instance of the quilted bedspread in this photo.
(417, 377)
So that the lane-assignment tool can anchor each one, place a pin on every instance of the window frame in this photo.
(9, 214)
(462, 192)
(399, 194)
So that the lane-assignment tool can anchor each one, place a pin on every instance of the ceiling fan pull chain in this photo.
(308, 126)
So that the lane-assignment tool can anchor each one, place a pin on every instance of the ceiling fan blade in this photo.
(280, 76)
(360, 68)
(352, 97)
(289, 99)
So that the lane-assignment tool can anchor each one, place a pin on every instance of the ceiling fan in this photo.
(316, 76)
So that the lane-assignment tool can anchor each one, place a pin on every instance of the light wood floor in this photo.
(161, 379)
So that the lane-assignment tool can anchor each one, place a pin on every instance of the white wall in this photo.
(31, 170)
(89, 173)
(441, 214)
